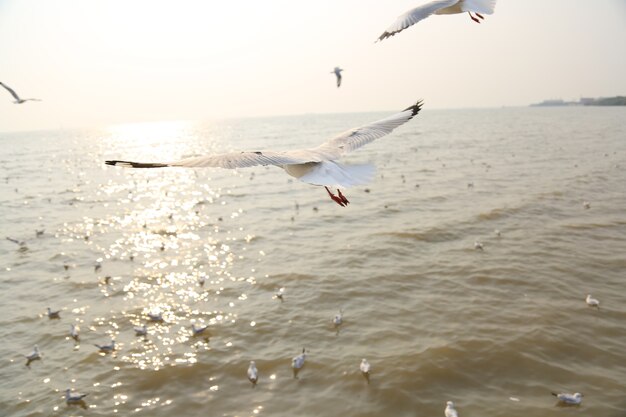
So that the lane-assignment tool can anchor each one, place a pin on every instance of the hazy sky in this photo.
(98, 62)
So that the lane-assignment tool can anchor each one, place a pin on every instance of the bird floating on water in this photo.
(298, 362)
(253, 373)
(140, 330)
(106, 348)
(337, 72)
(413, 16)
(33, 356)
(592, 302)
(365, 369)
(338, 319)
(197, 331)
(74, 332)
(569, 399)
(155, 316)
(478, 245)
(586, 204)
(316, 166)
(280, 293)
(450, 411)
(73, 398)
(17, 98)
(54, 314)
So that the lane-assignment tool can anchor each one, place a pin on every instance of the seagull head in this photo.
(450, 404)
(578, 395)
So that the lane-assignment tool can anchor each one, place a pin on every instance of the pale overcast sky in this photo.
(100, 62)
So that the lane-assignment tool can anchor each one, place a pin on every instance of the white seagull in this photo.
(74, 332)
(73, 398)
(450, 411)
(280, 293)
(569, 399)
(155, 316)
(365, 369)
(33, 356)
(17, 98)
(592, 302)
(298, 362)
(439, 7)
(478, 245)
(54, 314)
(337, 72)
(106, 348)
(338, 319)
(140, 330)
(253, 373)
(315, 166)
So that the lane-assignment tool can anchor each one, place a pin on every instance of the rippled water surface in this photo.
(494, 330)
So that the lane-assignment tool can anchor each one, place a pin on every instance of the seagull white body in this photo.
(338, 319)
(450, 411)
(569, 399)
(298, 362)
(478, 245)
(337, 72)
(586, 204)
(54, 314)
(140, 330)
(197, 331)
(316, 166)
(439, 7)
(74, 332)
(155, 316)
(17, 98)
(365, 369)
(106, 348)
(33, 356)
(592, 302)
(253, 373)
(73, 398)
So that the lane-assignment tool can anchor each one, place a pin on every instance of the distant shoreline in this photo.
(585, 101)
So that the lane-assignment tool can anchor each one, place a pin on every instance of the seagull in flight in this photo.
(439, 7)
(17, 98)
(316, 166)
(337, 72)
(569, 399)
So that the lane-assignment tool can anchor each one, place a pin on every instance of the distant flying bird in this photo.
(450, 411)
(337, 72)
(17, 98)
(73, 398)
(592, 302)
(316, 166)
(365, 369)
(253, 373)
(298, 362)
(439, 7)
(33, 356)
(569, 399)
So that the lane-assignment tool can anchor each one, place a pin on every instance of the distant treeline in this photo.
(608, 101)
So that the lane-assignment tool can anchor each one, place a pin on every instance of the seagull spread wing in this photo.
(10, 90)
(330, 150)
(415, 15)
(360, 136)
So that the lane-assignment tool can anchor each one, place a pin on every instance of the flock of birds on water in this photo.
(317, 166)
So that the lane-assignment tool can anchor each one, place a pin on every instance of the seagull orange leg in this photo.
(479, 15)
(335, 198)
(342, 197)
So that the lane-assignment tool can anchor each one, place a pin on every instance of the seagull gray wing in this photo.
(360, 136)
(415, 15)
(229, 160)
(10, 90)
